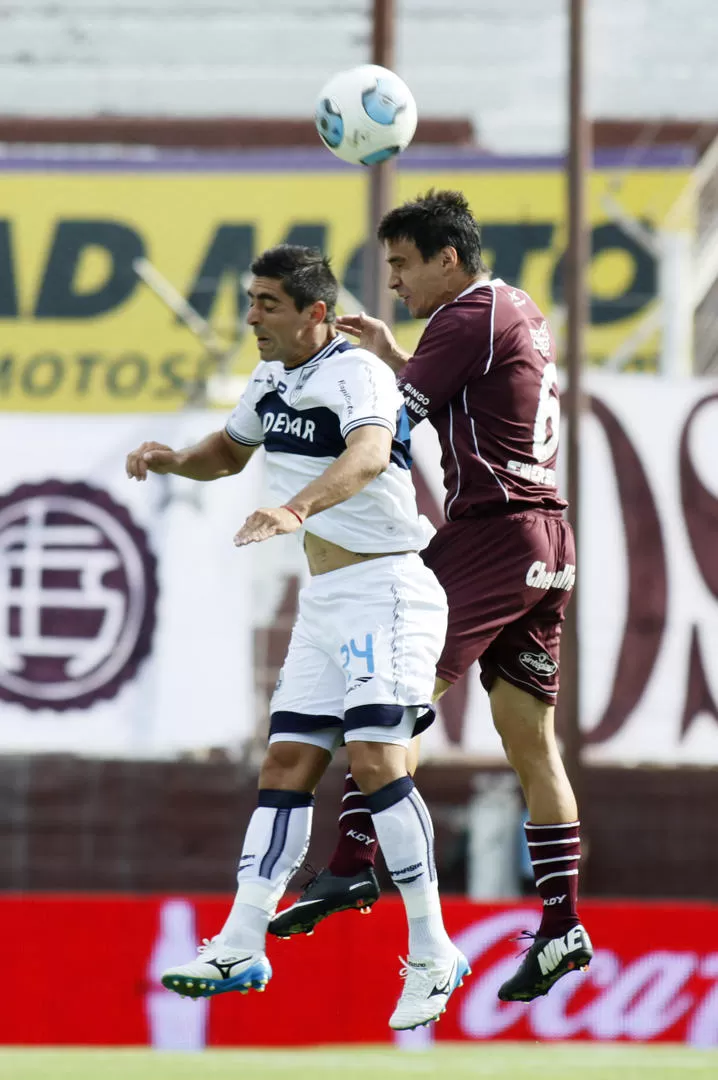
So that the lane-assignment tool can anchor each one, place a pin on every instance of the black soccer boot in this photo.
(322, 896)
(546, 961)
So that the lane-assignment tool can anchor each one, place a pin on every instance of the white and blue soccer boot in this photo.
(428, 985)
(218, 969)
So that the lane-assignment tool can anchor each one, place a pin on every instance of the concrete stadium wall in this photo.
(501, 62)
(71, 823)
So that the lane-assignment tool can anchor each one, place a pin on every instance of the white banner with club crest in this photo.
(131, 626)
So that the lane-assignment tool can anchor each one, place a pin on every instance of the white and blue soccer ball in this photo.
(366, 115)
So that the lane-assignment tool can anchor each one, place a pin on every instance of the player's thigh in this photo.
(524, 721)
(440, 688)
(308, 703)
(482, 567)
(527, 652)
(389, 638)
(488, 568)
(413, 754)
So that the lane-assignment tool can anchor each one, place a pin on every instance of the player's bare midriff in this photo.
(323, 556)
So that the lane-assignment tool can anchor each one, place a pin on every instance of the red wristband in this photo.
(296, 513)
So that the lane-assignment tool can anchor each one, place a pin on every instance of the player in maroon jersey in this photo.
(484, 375)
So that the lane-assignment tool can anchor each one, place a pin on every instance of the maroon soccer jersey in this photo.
(484, 373)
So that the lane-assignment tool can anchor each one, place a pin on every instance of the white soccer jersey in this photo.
(302, 417)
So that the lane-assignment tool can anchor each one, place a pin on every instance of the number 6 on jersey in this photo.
(548, 416)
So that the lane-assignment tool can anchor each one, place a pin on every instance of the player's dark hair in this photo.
(434, 221)
(304, 273)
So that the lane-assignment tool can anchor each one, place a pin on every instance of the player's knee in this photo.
(279, 762)
(369, 773)
(289, 766)
(374, 765)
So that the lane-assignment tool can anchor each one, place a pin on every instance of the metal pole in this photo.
(376, 297)
(576, 292)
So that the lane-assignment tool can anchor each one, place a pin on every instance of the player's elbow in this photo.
(231, 458)
(370, 449)
(374, 463)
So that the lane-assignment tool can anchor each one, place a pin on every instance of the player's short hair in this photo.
(304, 273)
(434, 221)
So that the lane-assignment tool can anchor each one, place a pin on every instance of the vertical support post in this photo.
(376, 297)
(576, 293)
(675, 288)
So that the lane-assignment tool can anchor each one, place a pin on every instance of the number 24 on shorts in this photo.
(352, 649)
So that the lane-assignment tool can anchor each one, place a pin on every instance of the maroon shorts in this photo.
(508, 580)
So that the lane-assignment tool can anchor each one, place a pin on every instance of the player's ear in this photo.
(449, 258)
(318, 312)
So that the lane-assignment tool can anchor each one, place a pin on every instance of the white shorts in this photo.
(362, 657)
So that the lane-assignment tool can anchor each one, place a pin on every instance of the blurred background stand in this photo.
(494, 821)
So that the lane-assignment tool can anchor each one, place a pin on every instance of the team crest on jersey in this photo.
(542, 340)
(301, 383)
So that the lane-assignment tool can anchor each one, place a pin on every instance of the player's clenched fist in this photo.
(151, 457)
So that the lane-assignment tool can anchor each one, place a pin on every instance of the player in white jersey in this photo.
(370, 628)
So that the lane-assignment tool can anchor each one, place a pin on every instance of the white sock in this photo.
(406, 838)
(276, 841)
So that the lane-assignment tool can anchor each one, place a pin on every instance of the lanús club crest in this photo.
(78, 591)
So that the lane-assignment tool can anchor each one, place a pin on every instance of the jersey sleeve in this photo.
(454, 347)
(367, 395)
(245, 424)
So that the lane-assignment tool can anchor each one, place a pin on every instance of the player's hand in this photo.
(151, 457)
(373, 334)
(265, 523)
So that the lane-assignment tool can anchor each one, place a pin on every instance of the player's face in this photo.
(282, 332)
(421, 285)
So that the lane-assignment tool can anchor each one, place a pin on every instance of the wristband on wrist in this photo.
(296, 513)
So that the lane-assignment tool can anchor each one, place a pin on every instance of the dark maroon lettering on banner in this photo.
(700, 512)
(647, 579)
(700, 507)
(698, 694)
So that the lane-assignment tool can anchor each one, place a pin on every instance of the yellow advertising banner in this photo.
(80, 332)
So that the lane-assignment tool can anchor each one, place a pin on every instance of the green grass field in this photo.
(500, 1062)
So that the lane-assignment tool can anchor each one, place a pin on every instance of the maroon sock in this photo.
(358, 844)
(555, 851)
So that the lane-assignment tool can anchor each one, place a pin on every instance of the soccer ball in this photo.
(366, 115)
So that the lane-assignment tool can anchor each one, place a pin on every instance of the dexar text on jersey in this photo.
(291, 425)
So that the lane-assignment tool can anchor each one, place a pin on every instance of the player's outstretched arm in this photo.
(375, 336)
(212, 458)
(367, 455)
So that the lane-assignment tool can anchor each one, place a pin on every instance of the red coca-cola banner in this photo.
(84, 971)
